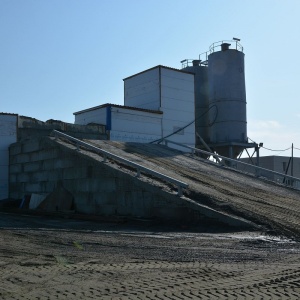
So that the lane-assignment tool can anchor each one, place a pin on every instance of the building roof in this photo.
(120, 106)
(159, 66)
(10, 114)
(273, 156)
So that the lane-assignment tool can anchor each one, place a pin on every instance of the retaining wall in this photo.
(32, 128)
(37, 166)
(41, 165)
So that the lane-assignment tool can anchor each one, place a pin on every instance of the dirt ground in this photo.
(62, 258)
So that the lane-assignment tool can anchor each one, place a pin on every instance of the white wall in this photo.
(168, 90)
(143, 90)
(134, 126)
(178, 105)
(8, 135)
(97, 115)
(126, 124)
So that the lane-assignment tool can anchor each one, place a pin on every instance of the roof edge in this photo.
(159, 66)
(116, 105)
(8, 114)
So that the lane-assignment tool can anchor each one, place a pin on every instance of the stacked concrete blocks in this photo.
(41, 165)
(38, 165)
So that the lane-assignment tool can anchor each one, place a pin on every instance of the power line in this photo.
(276, 150)
(282, 150)
(182, 128)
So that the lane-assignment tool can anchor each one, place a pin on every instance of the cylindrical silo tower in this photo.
(201, 98)
(227, 98)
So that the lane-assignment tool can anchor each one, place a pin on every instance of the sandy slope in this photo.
(224, 189)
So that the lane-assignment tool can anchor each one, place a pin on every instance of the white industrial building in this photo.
(158, 103)
(206, 100)
(124, 123)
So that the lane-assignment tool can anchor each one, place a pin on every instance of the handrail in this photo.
(238, 46)
(256, 168)
(206, 53)
(204, 61)
(107, 154)
(188, 62)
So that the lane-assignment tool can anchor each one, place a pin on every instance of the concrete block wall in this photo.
(30, 127)
(38, 165)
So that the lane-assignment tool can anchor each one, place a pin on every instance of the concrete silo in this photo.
(220, 98)
(227, 99)
(199, 68)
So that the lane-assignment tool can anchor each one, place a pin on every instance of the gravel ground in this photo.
(59, 258)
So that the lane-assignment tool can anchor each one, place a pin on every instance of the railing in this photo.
(202, 60)
(203, 57)
(244, 167)
(238, 46)
(139, 168)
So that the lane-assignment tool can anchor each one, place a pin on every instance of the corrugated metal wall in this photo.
(143, 90)
(97, 116)
(178, 105)
(135, 126)
(172, 92)
(161, 89)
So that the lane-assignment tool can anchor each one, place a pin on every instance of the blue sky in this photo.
(61, 56)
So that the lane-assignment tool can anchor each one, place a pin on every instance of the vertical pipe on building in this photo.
(159, 79)
(108, 117)
(292, 167)
(159, 86)
(257, 161)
